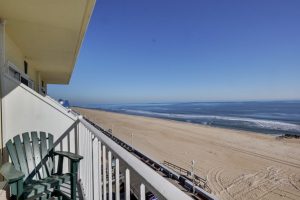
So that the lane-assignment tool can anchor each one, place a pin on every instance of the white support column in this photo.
(127, 185)
(142, 192)
(2, 43)
(117, 175)
(109, 177)
(104, 172)
(2, 63)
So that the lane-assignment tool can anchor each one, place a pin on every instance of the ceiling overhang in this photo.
(49, 33)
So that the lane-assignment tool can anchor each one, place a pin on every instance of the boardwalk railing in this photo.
(109, 172)
(202, 182)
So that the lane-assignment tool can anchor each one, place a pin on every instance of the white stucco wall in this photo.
(26, 110)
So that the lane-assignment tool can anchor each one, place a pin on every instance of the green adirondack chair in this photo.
(31, 174)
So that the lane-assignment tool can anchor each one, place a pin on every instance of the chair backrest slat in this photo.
(28, 152)
(13, 154)
(36, 151)
(43, 144)
(50, 148)
(50, 141)
(44, 152)
(21, 154)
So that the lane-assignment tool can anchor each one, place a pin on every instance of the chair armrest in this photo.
(10, 173)
(71, 156)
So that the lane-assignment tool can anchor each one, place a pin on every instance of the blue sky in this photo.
(187, 50)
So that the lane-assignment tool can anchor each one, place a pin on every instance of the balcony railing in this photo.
(108, 171)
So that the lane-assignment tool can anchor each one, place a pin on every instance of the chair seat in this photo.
(36, 187)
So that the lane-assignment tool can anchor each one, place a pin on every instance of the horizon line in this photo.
(173, 102)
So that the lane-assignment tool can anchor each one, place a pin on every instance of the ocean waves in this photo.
(230, 121)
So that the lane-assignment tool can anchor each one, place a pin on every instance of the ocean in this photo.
(270, 117)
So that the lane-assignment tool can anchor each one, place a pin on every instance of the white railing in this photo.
(110, 172)
(107, 171)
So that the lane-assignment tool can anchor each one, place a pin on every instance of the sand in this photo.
(237, 164)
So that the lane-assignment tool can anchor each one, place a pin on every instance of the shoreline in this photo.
(241, 130)
(234, 162)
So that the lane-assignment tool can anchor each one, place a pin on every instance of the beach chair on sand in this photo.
(31, 174)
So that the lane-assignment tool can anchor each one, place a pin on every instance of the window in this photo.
(21, 77)
(24, 80)
(14, 73)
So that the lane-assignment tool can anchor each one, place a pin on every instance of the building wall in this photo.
(15, 55)
(25, 110)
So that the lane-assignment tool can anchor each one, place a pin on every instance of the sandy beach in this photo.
(237, 164)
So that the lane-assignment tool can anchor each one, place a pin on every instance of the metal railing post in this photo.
(104, 171)
(142, 192)
(109, 177)
(117, 175)
(127, 184)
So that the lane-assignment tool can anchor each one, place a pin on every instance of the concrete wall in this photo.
(24, 110)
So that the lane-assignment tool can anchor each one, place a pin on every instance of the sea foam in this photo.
(258, 123)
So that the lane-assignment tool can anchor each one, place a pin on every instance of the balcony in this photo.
(108, 170)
